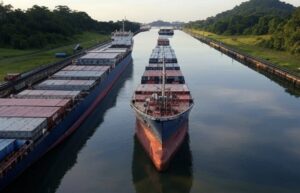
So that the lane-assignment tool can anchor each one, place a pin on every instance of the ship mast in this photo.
(163, 90)
(123, 25)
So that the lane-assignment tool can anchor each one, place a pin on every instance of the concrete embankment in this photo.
(257, 63)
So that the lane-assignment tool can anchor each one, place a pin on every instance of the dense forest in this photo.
(253, 17)
(39, 27)
(160, 23)
(287, 35)
(258, 17)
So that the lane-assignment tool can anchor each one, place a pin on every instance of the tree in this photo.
(251, 17)
(38, 27)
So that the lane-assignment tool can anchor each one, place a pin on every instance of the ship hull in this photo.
(161, 139)
(68, 125)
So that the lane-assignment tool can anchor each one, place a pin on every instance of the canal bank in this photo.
(254, 62)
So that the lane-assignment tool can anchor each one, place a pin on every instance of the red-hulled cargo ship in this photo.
(162, 103)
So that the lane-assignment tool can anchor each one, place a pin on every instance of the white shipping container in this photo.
(22, 128)
(70, 85)
(99, 58)
(48, 94)
(78, 75)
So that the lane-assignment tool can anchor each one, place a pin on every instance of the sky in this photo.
(143, 11)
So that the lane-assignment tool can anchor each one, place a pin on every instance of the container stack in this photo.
(78, 75)
(22, 128)
(66, 85)
(52, 114)
(65, 103)
(111, 50)
(73, 72)
(167, 54)
(155, 77)
(156, 88)
(168, 66)
(99, 59)
(108, 56)
(26, 118)
(86, 68)
(48, 94)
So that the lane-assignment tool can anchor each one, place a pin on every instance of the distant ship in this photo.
(162, 103)
(145, 28)
(166, 31)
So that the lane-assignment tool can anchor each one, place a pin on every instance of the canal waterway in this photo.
(244, 134)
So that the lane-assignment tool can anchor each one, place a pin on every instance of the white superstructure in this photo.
(122, 38)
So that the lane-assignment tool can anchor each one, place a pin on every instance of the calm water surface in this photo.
(244, 135)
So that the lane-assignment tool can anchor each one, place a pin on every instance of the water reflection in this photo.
(46, 174)
(178, 177)
(289, 87)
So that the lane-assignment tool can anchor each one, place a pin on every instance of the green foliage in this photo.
(15, 60)
(250, 44)
(255, 17)
(39, 27)
(259, 17)
(287, 35)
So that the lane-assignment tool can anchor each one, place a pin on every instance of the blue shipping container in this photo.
(7, 146)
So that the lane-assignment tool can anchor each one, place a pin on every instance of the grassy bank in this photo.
(249, 45)
(12, 60)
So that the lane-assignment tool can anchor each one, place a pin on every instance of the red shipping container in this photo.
(158, 73)
(48, 94)
(150, 88)
(51, 113)
(35, 102)
(85, 68)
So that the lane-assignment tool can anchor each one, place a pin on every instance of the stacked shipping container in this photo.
(168, 66)
(22, 128)
(168, 55)
(35, 102)
(72, 85)
(48, 94)
(86, 68)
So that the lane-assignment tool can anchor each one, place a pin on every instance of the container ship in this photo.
(35, 120)
(162, 103)
(166, 31)
(145, 28)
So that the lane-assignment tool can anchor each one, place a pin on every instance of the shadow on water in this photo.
(288, 86)
(46, 174)
(178, 177)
